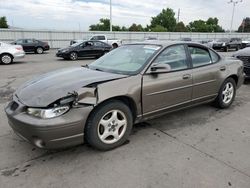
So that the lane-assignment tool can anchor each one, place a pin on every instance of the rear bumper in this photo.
(63, 131)
(46, 48)
(19, 55)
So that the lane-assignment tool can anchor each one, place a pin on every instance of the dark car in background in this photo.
(227, 43)
(32, 45)
(244, 55)
(245, 42)
(187, 39)
(84, 49)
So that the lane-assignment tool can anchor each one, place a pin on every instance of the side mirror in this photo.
(159, 68)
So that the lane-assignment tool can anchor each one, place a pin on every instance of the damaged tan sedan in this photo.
(99, 103)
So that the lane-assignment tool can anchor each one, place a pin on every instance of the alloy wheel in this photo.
(39, 50)
(73, 56)
(228, 93)
(6, 59)
(112, 126)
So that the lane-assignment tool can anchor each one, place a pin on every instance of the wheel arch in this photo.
(115, 45)
(39, 47)
(6, 53)
(124, 99)
(235, 77)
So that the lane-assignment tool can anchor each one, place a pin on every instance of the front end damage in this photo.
(62, 131)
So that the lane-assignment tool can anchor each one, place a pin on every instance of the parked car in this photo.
(84, 49)
(227, 44)
(244, 55)
(151, 38)
(33, 45)
(99, 103)
(186, 39)
(103, 38)
(246, 43)
(10, 52)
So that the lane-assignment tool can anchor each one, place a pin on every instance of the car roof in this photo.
(168, 43)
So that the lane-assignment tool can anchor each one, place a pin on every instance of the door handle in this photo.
(186, 76)
(223, 68)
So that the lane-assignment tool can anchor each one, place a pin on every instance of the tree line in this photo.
(165, 21)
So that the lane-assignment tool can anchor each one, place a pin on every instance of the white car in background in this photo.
(10, 52)
(103, 38)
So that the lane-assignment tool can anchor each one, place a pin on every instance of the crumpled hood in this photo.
(47, 88)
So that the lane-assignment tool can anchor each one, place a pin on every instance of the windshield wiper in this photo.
(85, 66)
(97, 69)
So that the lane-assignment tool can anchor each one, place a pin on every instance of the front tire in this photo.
(226, 94)
(73, 56)
(109, 125)
(6, 59)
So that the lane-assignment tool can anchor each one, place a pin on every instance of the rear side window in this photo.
(200, 56)
(215, 57)
(174, 56)
(99, 44)
(30, 41)
(101, 37)
(20, 41)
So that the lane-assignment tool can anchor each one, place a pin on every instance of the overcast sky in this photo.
(75, 14)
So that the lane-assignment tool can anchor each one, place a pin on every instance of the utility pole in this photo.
(178, 17)
(110, 14)
(234, 2)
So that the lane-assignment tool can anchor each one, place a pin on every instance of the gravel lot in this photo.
(194, 148)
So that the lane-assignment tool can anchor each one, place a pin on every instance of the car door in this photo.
(31, 45)
(205, 72)
(99, 48)
(86, 49)
(165, 91)
(28, 45)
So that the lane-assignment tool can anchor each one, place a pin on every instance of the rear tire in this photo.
(115, 45)
(226, 94)
(109, 125)
(39, 50)
(6, 59)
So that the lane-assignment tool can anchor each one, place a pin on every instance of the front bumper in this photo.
(63, 55)
(60, 132)
(218, 46)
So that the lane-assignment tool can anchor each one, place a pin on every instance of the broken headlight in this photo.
(49, 112)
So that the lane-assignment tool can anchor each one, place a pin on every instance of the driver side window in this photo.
(175, 57)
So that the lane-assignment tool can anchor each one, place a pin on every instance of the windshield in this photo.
(76, 44)
(128, 59)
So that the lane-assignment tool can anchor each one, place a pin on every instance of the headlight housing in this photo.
(64, 51)
(49, 112)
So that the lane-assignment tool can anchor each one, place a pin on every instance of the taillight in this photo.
(19, 48)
